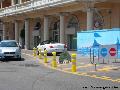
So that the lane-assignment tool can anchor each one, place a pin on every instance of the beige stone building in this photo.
(59, 20)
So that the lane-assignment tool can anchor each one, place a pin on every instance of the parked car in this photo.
(52, 46)
(9, 49)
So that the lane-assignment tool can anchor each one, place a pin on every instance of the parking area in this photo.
(109, 70)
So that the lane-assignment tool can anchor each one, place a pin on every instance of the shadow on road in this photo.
(12, 59)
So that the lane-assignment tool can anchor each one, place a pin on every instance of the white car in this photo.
(51, 46)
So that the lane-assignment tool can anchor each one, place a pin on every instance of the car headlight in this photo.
(18, 50)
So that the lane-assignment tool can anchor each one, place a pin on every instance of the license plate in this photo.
(58, 50)
(9, 55)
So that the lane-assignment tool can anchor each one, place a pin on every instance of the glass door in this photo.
(72, 42)
(55, 34)
(36, 41)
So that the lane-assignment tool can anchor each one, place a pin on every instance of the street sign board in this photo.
(108, 51)
(112, 51)
(104, 52)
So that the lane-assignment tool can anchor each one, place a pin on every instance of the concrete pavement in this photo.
(109, 71)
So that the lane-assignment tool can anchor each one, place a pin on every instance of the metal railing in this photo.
(32, 5)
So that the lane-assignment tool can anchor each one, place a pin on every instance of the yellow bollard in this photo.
(45, 56)
(45, 52)
(54, 63)
(34, 51)
(40, 55)
(73, 63)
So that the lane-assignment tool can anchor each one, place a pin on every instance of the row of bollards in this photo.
(54, 61)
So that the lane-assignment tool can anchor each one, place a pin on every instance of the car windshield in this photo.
(8, 44)
(47, 42)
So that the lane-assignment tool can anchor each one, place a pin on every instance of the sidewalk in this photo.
(81, 61)
(84, 67)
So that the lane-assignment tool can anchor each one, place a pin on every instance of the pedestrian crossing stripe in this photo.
(83, 66)
(118, 80)
(99, 77)
(93, 76)
(82, 73)
(105, 77)
(107, 69)
(104, 69)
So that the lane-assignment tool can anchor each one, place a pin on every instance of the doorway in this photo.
(56, 31)
(55, 34)
(72, 42)
(36, 41)
(72, 28)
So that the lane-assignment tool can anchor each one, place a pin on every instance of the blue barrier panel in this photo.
(94, 38)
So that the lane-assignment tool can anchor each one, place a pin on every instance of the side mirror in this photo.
(20, 46)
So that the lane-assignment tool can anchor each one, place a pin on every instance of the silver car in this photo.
(10, 49)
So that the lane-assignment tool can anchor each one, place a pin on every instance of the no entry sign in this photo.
(112, 51)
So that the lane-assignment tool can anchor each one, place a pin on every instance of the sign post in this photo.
(103, 53)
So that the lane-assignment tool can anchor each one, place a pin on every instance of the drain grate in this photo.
(29, 65)
(116, 69)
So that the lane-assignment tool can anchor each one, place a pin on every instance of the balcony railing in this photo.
(32, 5)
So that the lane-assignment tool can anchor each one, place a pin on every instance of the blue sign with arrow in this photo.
(103, 52)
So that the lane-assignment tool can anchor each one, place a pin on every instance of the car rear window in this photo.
(8, 44)
(47, 42)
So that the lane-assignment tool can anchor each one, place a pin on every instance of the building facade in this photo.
(30, 22)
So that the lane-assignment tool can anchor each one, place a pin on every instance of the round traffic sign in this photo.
(112, 51)
(103, 52)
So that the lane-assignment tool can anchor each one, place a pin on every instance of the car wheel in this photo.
(19, 58)
(1, 59)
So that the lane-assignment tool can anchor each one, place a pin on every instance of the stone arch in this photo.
(54, 24)
(73, 21)
(72, 27)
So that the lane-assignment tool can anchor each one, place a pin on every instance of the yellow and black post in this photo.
(45, 56)
(40, 55)
(54, 63)
(73, 63)
(34, 51)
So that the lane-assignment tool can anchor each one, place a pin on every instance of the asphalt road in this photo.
(30, 75)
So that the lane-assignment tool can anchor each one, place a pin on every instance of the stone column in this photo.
(16, 31)
(46, 30)
(12, 2)
(11, 30)
(4, 31)
(27, 34)
(62, 29)
(89, 19)
(21, 24)
(20, 1)
(1, 4)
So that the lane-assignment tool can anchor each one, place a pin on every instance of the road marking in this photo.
(82, 74)
(107, 69)
(83, 66)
